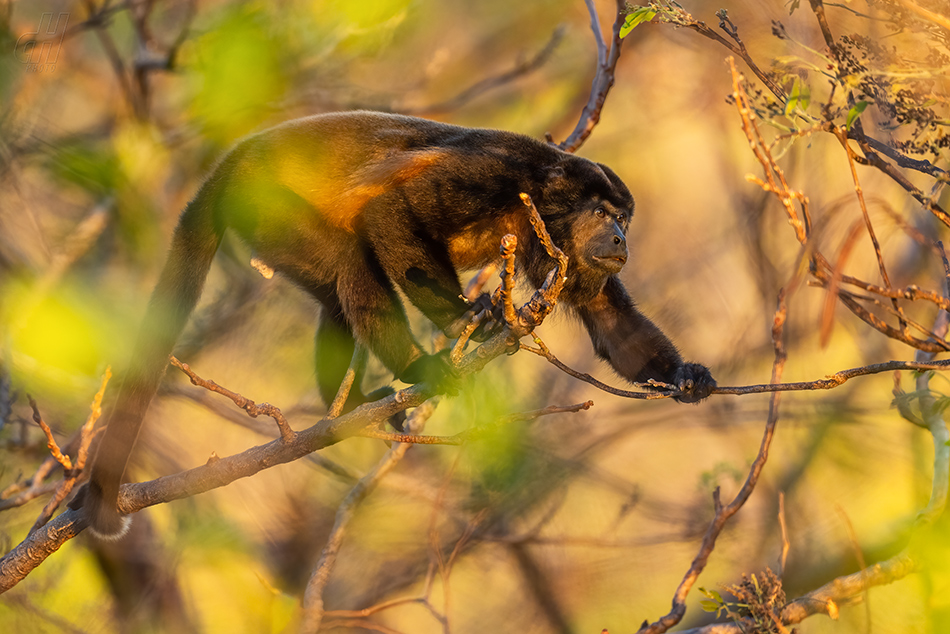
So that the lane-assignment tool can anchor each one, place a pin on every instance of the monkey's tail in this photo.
(194, 244)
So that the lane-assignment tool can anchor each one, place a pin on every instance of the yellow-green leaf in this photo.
(854, 113)
(635, 18)
(800, 97)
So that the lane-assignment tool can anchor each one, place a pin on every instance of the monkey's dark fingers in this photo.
(436, 370)
(482, 302)
(493, 321)
(487, 329)
(694, 382)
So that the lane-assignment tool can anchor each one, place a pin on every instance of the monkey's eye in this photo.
(600, 212)
(622, 218)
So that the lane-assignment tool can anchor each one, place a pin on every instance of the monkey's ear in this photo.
(555, 172)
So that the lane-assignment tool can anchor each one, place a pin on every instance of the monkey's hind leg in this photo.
(333, 354)
(334, 349)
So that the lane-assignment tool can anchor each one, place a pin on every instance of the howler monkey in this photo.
(352, 206)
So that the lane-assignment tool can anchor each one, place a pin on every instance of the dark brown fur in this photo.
(352, 205)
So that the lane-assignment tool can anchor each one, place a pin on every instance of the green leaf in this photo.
(854, 113)
(800, 97)
(793, 5)
(709, 606)
(635, 18)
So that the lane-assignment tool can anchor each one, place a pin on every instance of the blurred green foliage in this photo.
(240, 72)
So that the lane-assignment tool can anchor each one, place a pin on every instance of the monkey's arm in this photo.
(416, 261)
(636, 348)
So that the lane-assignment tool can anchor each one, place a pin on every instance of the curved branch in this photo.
(603, 80)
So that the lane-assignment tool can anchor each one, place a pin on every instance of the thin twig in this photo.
(543, 351)
(253, 409)
(490, 83)
(842, 134)
(786, 545)
(54, 449)
(911, 292)
(509, 243)
(95, 412)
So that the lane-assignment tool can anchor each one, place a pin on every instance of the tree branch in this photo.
(603, 79)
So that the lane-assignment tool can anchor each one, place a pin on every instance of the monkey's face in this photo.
(593, 208)
(600, 241)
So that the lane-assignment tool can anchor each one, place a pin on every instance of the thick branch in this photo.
(216, 473)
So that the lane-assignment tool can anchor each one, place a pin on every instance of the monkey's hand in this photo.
(694, 382)
(436, 370)
(493, 319)
(491, 323)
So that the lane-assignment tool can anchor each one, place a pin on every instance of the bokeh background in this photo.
(576, 522)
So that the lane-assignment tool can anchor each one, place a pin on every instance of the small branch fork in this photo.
(682, 18)
(134, 78)
(71, 469)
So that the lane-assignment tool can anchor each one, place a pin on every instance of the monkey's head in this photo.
(587, 208)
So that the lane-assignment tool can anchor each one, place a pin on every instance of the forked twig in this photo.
(71, 471)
